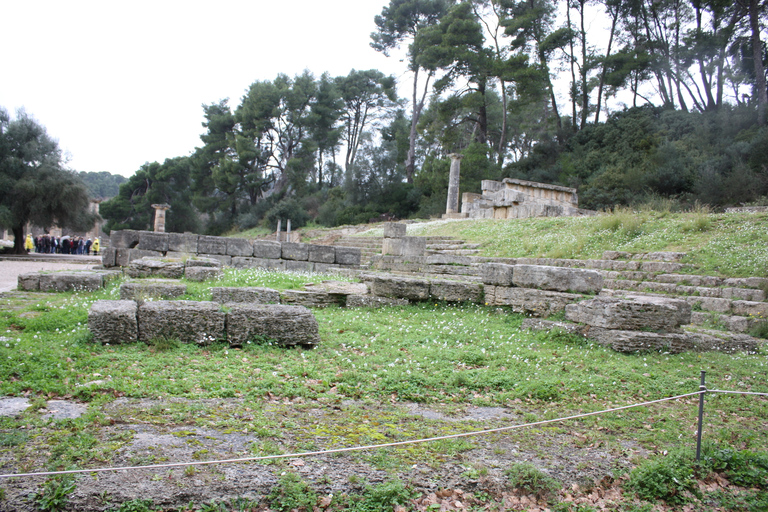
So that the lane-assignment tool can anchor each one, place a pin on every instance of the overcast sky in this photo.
(119, 84)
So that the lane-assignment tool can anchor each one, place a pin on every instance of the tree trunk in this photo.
(18, 240)
(760, 87)
(410, 161)
(600, 86)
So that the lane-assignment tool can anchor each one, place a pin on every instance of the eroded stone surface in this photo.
(285, 325)
(371, 301)
(639, 341)
(497, 274)
(456, 291)
(71, 281)
(185, 320)
(151, 288)
(113, 321)
(315, 299)
(202, 273)
(151, 267)
(635, 312)
(250, 295)
(558, 279)
(539, 303)
(400, 287)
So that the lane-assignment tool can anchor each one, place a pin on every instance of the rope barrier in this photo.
(349, 449)
(737, 392)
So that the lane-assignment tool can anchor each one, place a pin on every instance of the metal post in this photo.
(702, 387)
(279, 227)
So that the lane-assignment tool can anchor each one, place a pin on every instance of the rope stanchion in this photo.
(349, 449)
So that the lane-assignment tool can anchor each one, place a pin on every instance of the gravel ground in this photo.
(11, 268)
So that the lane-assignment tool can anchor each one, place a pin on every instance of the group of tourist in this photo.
(48, 244)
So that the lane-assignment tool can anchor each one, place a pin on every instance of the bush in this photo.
(528, 479)
(383, 497)
(288, 208)
(744, 468)
(669, 478)
(292, 493)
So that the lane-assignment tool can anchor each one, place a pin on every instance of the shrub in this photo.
(288, 208)
(760, 330)
(528, 479)
(383, 497)
(744, 468)
(291, 492)
(667, 478)
(55, 494)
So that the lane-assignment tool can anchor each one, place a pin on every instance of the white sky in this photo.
(119, 84)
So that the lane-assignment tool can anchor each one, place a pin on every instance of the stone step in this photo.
(745, 294)
(456, 252)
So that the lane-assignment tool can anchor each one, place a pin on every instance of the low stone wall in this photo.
(83, 280)
(128, 245)
(123, 321)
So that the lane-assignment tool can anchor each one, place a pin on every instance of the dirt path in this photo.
(11, 268)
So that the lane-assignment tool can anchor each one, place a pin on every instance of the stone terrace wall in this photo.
(129, 245)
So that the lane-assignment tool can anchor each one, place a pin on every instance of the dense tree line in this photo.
(669, 101)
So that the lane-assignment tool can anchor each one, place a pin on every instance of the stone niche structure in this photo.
(517, 199)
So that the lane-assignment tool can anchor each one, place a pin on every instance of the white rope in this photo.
(737, 392)
(350, 449)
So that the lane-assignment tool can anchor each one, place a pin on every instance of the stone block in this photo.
(71, 281)
(406, 246)
(665, 256)
(400, 287)
(348, 256)
(448, 259)
(371, 301)
(745, 294)
(295, 251)
(151, 289)
(284, 325)
(124, 239)
(270, 264)
(151, 241)
(710, 304)
(113, 321)
(149, 267)
(456, 291)
(223, 259)
(29, 281)
(641, 341)
(108, 257)
(327, 268)
(538, 303)
(267, 249)
(198, 261)
(250, 295)
(244, 262)
(633, 313)
(239, 247)
(184, 320)
(203, 273)
(211, 245)
(312, 299)
(537, 324)
(557, 279)
(661, 266)
(298, 266)
(125, 256)
(394, 229)
(183, 242)
(750, 308)
(322, 253)
(497, 274)
(724, 342)
(616, 255)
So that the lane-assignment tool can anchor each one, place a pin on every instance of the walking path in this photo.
(12, 266)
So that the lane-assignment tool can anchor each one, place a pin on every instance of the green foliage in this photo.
(288, 208)
(744, 468)
(383, 497)
(528, 479)
(760, 330)
(135, 506)
(292, 493)
(55, 492)
(669, 478)
(102, 185)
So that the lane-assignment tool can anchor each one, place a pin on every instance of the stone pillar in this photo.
(452, 205)
(279, 228)
(160, 216)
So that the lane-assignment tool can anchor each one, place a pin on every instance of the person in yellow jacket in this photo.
(28, 243)
(95, 247)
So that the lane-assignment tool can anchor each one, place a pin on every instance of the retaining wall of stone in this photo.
(65, 281)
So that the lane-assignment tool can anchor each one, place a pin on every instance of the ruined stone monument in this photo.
(516, 199)
(160, 216)
(452, 204)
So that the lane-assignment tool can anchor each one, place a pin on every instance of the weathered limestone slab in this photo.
(371, 301)
(710, 304)
(185, 320)
(750, 308)
(557, 279)
(271, 264)
(298, 266)
(150, 241)
(616, 255)
(71, 281)
(661, 266)
(633, 313)
(113, 321)
(124, 257)
(124, 239)
(197, 261)
(295, 251)
(149, 267)
(537, 324)
(348, 256)
(108, 256)
(456, 291)
(239, 247)
(747, 282)
(659, 287)
(312, 299)
(497, 274)
(327, 268)
(725, 342)
(211, 245)
(322, 253)
(743, 294)
(690, 280)
(29, 281)
(406, 246)
(250, 295)
(448, 259)
(203, 273)
(151, 288)
(224, 259)
(539, 303)
(400, 287)
(285, 325)
(244, 262)
(641, 341)
(267, 249)
(183, 242)
(731, 323)
(394, 229)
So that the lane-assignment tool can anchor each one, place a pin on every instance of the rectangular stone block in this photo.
(400, 287)
(29, 281)
(249, 295)
(371, 301)
(642, 341)
(199, 261)
(394, 229)
(108, 257)
(184, 320)
(211, 245)
(405, 247)
(710, 304)
(295, 251)
(201, 274)
(750, 308)
(322, 253)
(224, 259)
(270, 264)
(239, 247)
(148, 267)
(298, 266)
(124, 257)
(267, 249)
(124, 239)
(284, 325)
(312, 299)
(557, 279)
(243, 262)
(327, 268)
(113, 321)
(71, 281)
(633, 313)
(538, 303)
(456, 291)
(152, 288)
(183, 242)
(497, 274)
(348, 256)
(151, 241)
